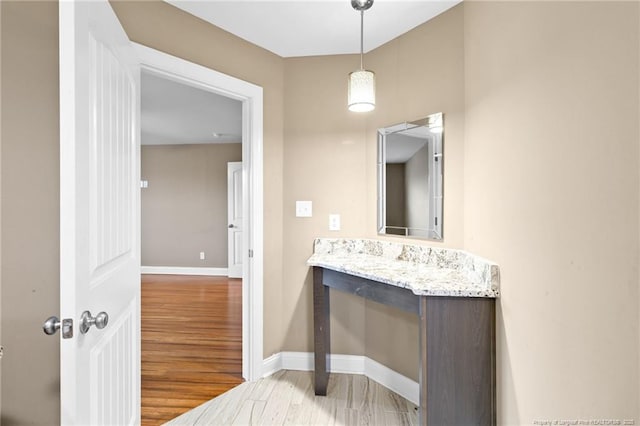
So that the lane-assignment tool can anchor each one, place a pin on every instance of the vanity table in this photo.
(453, 294)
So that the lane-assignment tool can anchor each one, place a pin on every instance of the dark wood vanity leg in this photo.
(422, 370)
(321, 331)
(462, 363)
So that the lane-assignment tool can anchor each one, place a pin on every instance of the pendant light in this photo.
(362, 83)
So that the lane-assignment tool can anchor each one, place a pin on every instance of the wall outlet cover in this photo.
(334, 222)
(304, 209)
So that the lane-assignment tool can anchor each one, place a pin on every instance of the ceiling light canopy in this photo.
(361, 95)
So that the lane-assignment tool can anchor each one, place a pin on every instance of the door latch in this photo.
(53, 324)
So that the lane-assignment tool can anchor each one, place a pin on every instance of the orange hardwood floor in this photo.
(191, 342)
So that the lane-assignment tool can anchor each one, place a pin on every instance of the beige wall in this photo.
(330, 158)
(541, 148)
(325, 162)
(419, 73)
(551, 194)
(163, 27)
(30, 194)
(184, 209)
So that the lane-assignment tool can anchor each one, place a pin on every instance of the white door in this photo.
(99, 216)
(234, 217)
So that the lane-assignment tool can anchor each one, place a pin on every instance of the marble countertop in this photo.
(426, 271)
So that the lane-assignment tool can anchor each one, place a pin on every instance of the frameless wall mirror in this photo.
(410, 163)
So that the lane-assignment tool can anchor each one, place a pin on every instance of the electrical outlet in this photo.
(201, 255)
(334, 222)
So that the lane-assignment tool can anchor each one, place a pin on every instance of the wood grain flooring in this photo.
(191, 342)
(287, 398)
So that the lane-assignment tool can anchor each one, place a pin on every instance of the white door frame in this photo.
(194, 75)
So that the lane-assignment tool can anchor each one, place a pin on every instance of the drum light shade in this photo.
(362, 91)
(361, 94)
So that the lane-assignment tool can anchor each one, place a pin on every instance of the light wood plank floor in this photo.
(287, 398)
(191, 342)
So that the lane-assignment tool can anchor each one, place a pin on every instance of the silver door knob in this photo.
(51, 325)
(86, 321)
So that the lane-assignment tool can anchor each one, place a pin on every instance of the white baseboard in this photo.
(402, 385)
(180, 270)
(271, 365)
(348, 364)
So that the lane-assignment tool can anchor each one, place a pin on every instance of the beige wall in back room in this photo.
(551, 194)
(163, 27)
(395, 208)
(184, 209)
(30, 206)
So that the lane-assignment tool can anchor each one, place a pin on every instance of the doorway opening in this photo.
(191, 247)
(249, 98)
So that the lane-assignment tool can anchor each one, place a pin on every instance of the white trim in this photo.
(181, 270)
(301, 361)
(176, 69)
(391, 379)
(347, 364)
(272, 364)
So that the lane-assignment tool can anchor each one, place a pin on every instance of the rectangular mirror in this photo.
(410, 163)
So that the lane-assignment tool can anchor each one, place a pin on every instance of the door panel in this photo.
(99, 215)
(111, 155)
(112, 373)
(234, 214)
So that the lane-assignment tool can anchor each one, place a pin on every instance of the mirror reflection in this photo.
(410, 162)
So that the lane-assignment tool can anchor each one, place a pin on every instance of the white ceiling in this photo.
(174, 113)
(314, 27)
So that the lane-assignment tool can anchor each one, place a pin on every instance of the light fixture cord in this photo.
(361, 38)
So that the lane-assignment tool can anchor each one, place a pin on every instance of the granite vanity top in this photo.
(426, 271)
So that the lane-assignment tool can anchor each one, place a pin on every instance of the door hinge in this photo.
(250, 253)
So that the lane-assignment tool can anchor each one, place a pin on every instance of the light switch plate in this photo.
(304, 209)
(334, 222)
